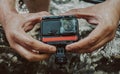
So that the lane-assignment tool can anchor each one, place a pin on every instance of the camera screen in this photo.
(51, 27)
(63, 26)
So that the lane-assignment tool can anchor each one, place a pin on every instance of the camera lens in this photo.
(68, 26)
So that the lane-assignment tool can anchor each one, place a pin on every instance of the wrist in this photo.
(7, 9)
(7, 16)
(115, 5)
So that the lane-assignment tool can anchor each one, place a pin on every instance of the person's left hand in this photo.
(105, 16)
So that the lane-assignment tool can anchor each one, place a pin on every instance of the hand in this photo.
(15, 27)
(105, 16)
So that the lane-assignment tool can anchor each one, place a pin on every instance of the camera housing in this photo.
(59, 31)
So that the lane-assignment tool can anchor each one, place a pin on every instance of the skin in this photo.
(16, 25)
(106, 18)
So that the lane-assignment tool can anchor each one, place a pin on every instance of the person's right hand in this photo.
(15, 27)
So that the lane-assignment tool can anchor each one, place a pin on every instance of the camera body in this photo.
(59, 31)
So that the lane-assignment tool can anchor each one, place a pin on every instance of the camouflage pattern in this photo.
(105, 60)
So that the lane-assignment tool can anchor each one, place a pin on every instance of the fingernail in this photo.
(52, 49)
(68, 48)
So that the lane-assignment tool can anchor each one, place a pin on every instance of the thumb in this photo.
(79, 13)
(85, 13)
(33, 18)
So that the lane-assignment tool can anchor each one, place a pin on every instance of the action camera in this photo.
(59, 31)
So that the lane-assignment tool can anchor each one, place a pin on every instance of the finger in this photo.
(85, 14)
(28, 28)
(97, 46)
(29, 43)
(80, 13)
(30, 56)
(32, 19)
(93, 38)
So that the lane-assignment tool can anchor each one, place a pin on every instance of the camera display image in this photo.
(67, 26)
(59, 27)
(51, 28)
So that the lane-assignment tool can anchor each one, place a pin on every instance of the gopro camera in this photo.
(59, 31)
